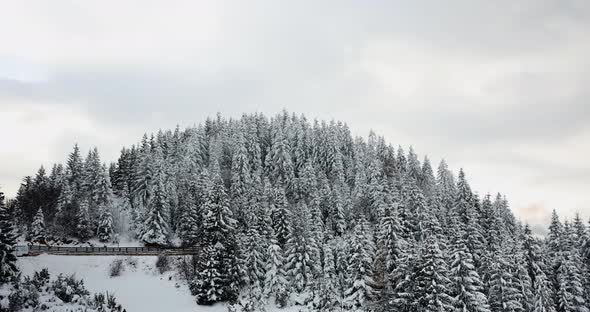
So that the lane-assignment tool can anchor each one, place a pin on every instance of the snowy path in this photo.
(138, 290)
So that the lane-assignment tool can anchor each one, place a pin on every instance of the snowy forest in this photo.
(296, 212)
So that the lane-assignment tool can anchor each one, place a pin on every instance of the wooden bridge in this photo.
(35, 250)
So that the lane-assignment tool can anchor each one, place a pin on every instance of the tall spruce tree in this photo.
(536, 265)
(8, 268)
(361, 285)
(155, 227)
(38, 234)
(84, 227)
(281, 216)
(275, 281)
(303, 262)
(467, 287)
(105, 224)
(431, 290)
(218, 275)
(389, 251)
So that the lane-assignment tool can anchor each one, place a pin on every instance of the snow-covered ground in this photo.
(139, 289)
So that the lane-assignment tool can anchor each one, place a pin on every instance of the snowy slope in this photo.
(138, 289)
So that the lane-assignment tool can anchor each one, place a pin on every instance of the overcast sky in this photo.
(497, 87)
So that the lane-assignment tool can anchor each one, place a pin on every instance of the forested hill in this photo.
(303, 213)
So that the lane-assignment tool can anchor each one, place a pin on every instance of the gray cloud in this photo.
(494, 87)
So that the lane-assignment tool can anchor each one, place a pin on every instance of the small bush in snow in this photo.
(63, 294)
(162, 263)
(40, 279)
(132, 262)
(69, 289)
(116, 267)
(24, 295)
(106, 302)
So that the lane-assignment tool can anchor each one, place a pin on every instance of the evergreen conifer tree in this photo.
(281, 216)
(431, 290)
(8, 269)
(155, 228)
(275, 281)
(37, 234)
(84, 226)
(360, 263)
(466, 283)
(302, 251)
(105, 224)
(218, 275)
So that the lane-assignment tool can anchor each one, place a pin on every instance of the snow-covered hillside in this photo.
(140, 289)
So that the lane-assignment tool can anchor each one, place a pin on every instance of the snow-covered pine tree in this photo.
(535, 265)
(279, 165)
(208, 283)
(123, 213)
(241, 180)
(91, 173)
(155, 227)
(570, 292)
(414, 169)
(84, 227)
(467, 288)
(93, 185)
(189, 224)
(62, 223)
(306, 182)
(218, 267)
(504, 295)
(389, 251)
(360, 266)
(543, 300)
(141, 181)
(416, 213)
(75, 170)
(427, 182)
(8, 269)
(580, 232)
(446, 190)
(275, 281)
(339, 215)
(467, 214)
(105, 224)
(327, 297)
(281, 216)
(403, 282)
(316, 225)
(522, 279)
(431, 290)
(303, 262)
(156, 224)
(38, 234)
(254, 262)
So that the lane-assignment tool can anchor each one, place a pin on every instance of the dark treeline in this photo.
(303, 213)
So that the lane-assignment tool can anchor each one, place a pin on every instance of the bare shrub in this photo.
(116, 267)
(163, 263)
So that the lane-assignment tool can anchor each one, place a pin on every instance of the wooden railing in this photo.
(109, 251)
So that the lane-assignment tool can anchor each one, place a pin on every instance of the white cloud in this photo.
(42, 134)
